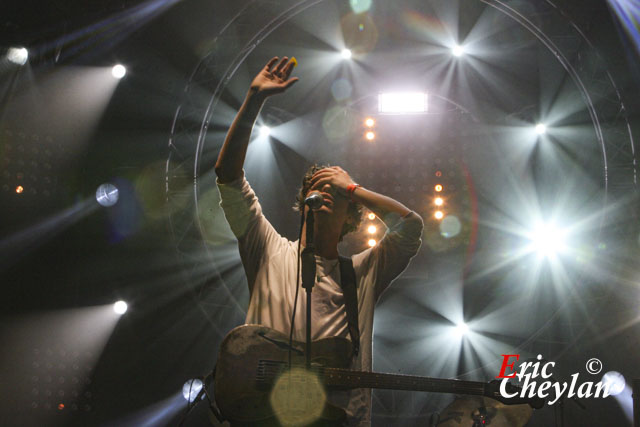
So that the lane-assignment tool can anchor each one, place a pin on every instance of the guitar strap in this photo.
(350, 292)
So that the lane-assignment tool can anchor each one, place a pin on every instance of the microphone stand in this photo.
(309, 277)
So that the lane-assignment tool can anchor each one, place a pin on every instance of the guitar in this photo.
(253, 385)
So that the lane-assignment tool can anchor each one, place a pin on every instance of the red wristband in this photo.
(350, 189)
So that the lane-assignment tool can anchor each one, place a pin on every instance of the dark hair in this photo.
(354, 209)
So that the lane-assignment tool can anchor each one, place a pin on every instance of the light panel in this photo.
(402, 102)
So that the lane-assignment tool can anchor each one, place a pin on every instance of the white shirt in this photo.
(270, 263)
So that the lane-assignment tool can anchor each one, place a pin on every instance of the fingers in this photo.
(281, 65)
(319, 184)
(288, 69)
(270, 63)
(322, 177)
(290, 82)
(330, 170)
(321, 173)
(324, 173)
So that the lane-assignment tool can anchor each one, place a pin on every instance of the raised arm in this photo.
(272, 79)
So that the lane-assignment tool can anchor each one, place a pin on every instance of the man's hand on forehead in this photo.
(335, 176)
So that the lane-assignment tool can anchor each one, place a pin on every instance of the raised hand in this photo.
(273, 79)
(270, 80)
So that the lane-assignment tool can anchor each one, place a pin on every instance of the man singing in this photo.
(270, 260)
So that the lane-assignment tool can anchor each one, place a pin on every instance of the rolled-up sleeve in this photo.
(391, 256)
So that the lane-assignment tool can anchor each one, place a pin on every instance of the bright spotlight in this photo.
(547, 240)
(371, 216)
(438, 201)
(118, 71)
(461, 329)
(18, 55)
(265, 131)
(457, 50)
(615, 381)
(371, 242)
(191, 389)
(438, 188)
(439, 215)
(19, 189)
(369, 122)
(372, 229)
(370, 136)
(120, 307)
(107, 195)
(541, 128)
(402, 102)
(346, 54)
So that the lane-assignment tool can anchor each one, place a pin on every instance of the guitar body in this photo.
(245, 397)
(254, 387)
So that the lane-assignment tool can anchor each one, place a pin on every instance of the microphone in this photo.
(314, 200)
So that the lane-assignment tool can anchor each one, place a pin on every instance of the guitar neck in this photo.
(342, 378)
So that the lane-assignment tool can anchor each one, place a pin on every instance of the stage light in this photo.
(346, 54)
(461, 329)
(265, 131)
(120, 307)
(372, 229)
(370, 136)
(547, 240)
(402, 102)
(439, 215)
(369, 122)
(191, 389)
(118, 71)
(438, 188)
(19, 189)
(457, 50)
(107, 195)
(371, 216)
(18, 55)
(541, 128)
(615, 381)
(371, 242)
(438, 201)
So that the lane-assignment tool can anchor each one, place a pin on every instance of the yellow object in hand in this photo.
(294, 61)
